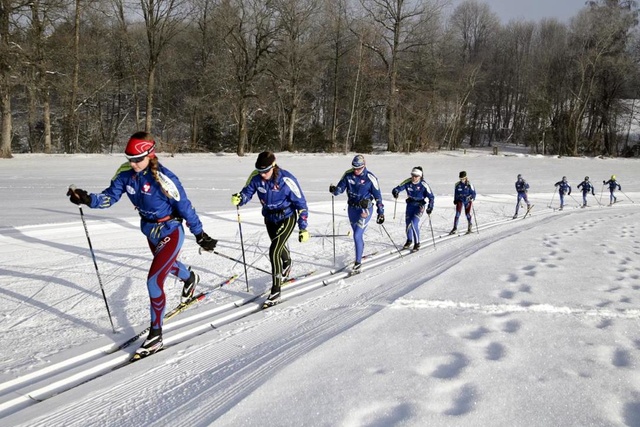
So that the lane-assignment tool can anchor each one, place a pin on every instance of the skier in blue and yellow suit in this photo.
(612, 183)
(363, 191)
(282, 204)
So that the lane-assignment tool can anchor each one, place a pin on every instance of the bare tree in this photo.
(293, 58)
(163, 20)
(399, 28)
(10, 58)
(249, 35)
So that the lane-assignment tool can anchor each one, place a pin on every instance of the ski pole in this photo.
(433, 237)
(475, 218)
(627, 196)
(594, 196)
(395, 205)
(331, 235)
(244, 260)
(551, 202)
(333, 224)
(394, 243)
(95, 263)
(601, 192)
(575, 200)
(229, 257)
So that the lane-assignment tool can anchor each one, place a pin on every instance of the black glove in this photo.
(364, 203)
(455, 202)
(332, 189)
(78, 196)
(380, 219)
(593, 193)
(569, 193)
(206, 242)
(604, 182)
(395, 193)
(429, 210)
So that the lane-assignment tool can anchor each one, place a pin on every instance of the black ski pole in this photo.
(552, 197)
(395, 204)
(394, 243)
(627, 196)
(244, 261)
(333, 223)
(475, 218)
(433, 237)
(601, 193)
(95, 263)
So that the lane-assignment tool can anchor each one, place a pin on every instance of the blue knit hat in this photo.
(358, 161)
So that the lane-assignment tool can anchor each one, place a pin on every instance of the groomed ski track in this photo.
(212, 341)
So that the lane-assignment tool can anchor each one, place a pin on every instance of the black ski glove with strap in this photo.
(206, 242)
(78, 196)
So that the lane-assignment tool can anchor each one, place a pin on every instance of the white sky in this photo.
(528, 322)
(532, 10)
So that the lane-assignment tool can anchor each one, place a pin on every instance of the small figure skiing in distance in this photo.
(563, 189)
(464, 194)
(419, 194)
(522, 187)
(587, 188)
(612, 183)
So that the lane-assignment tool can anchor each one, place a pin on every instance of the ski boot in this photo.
(152, 344)
(189, 288)
(273, 299)
(407, 244)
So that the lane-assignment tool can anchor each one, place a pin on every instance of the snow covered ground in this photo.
(524, 323)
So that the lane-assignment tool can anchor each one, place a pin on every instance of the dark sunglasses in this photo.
(267, 169)
(136, 159)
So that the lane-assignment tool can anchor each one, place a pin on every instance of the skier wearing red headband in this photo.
(162, 204)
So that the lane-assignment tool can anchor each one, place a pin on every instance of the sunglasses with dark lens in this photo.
(137, 159)
(265, 170)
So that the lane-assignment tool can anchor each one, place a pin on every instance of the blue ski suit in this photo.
(464, 194)
(612, 183)
(283, 204)
(362, 192)
(522, 187)
(586, 189)
(563, 188)
(162, 208)
(418, 195)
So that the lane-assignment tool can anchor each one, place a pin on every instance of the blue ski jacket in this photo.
(417, 193)
(280, 196)
(464, 192)
(522, 186)
(587, 187)
(165, 203)
(563, 187)
(612, 183)
(360, 187)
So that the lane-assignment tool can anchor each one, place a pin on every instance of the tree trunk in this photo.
(242, 126)
(151, 81)
(5, 146)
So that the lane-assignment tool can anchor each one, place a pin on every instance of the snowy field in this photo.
(528, 322)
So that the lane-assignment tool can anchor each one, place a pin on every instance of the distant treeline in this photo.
(80, 76)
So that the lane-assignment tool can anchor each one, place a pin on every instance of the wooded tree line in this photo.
(80, 76)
